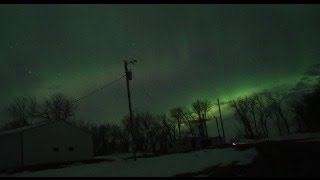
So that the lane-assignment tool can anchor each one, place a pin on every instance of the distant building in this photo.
(190, 143)
(49, 142)
(216, 141)
(183, 145)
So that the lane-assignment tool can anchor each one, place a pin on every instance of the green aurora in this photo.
(184, 53)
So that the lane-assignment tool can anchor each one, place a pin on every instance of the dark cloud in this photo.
(300, 86)
(313, 71)
(308, 81)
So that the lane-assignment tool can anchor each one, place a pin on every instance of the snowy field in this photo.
(302, 137)
(298, 136)
(164, 166)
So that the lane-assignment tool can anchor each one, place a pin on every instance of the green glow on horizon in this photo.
(184, 52)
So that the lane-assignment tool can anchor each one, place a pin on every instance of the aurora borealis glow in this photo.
(184, 52)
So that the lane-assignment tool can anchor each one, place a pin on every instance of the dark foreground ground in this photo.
(275, 159)
(289, 158)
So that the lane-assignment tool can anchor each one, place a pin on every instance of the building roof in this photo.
(22, 129)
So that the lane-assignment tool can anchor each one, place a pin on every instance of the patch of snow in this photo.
(298, 136)
(310, 140)
(118, 156)
(247, 158)
(115, 157)
(202, 175)
(161, 166)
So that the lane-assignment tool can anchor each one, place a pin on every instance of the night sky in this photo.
(184, 53)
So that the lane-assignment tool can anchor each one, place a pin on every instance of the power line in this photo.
(99, 89)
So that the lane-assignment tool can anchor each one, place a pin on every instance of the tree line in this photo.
(24, 111)
(258, 114)
(152, 132)
(261, 111)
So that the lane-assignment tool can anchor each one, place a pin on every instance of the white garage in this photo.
(49, 142)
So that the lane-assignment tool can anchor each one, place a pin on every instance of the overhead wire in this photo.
(99, 89)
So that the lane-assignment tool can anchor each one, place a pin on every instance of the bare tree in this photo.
(241, 109)
(255, 112)
(276, 101)
(178, 114)
(22, 111)
(150, 133)
(58, 107)
(139, 138)
(263, 112)
(189, 120)
(306, 110)
(28, 110)
(18, 111)
(170, 126)
(299, 112)
(252, 108)
(201, 108)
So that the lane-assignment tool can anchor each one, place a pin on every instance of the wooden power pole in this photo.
(128, 78)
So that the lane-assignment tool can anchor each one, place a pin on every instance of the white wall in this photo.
(39, 143)
(10, 151)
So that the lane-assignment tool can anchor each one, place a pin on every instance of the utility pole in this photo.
(224, 137)
(128, 78)
(218, 129)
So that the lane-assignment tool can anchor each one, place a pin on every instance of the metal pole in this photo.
(130, 111)
(218, 129)
(224, 137)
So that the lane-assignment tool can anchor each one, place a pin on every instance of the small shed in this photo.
(43, 143)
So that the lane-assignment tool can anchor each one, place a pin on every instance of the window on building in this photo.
(71, 148)
(55, 149)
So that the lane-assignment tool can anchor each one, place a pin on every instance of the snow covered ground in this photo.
(167, 165)
(298, 136)
(303, 137)
(119, 156)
